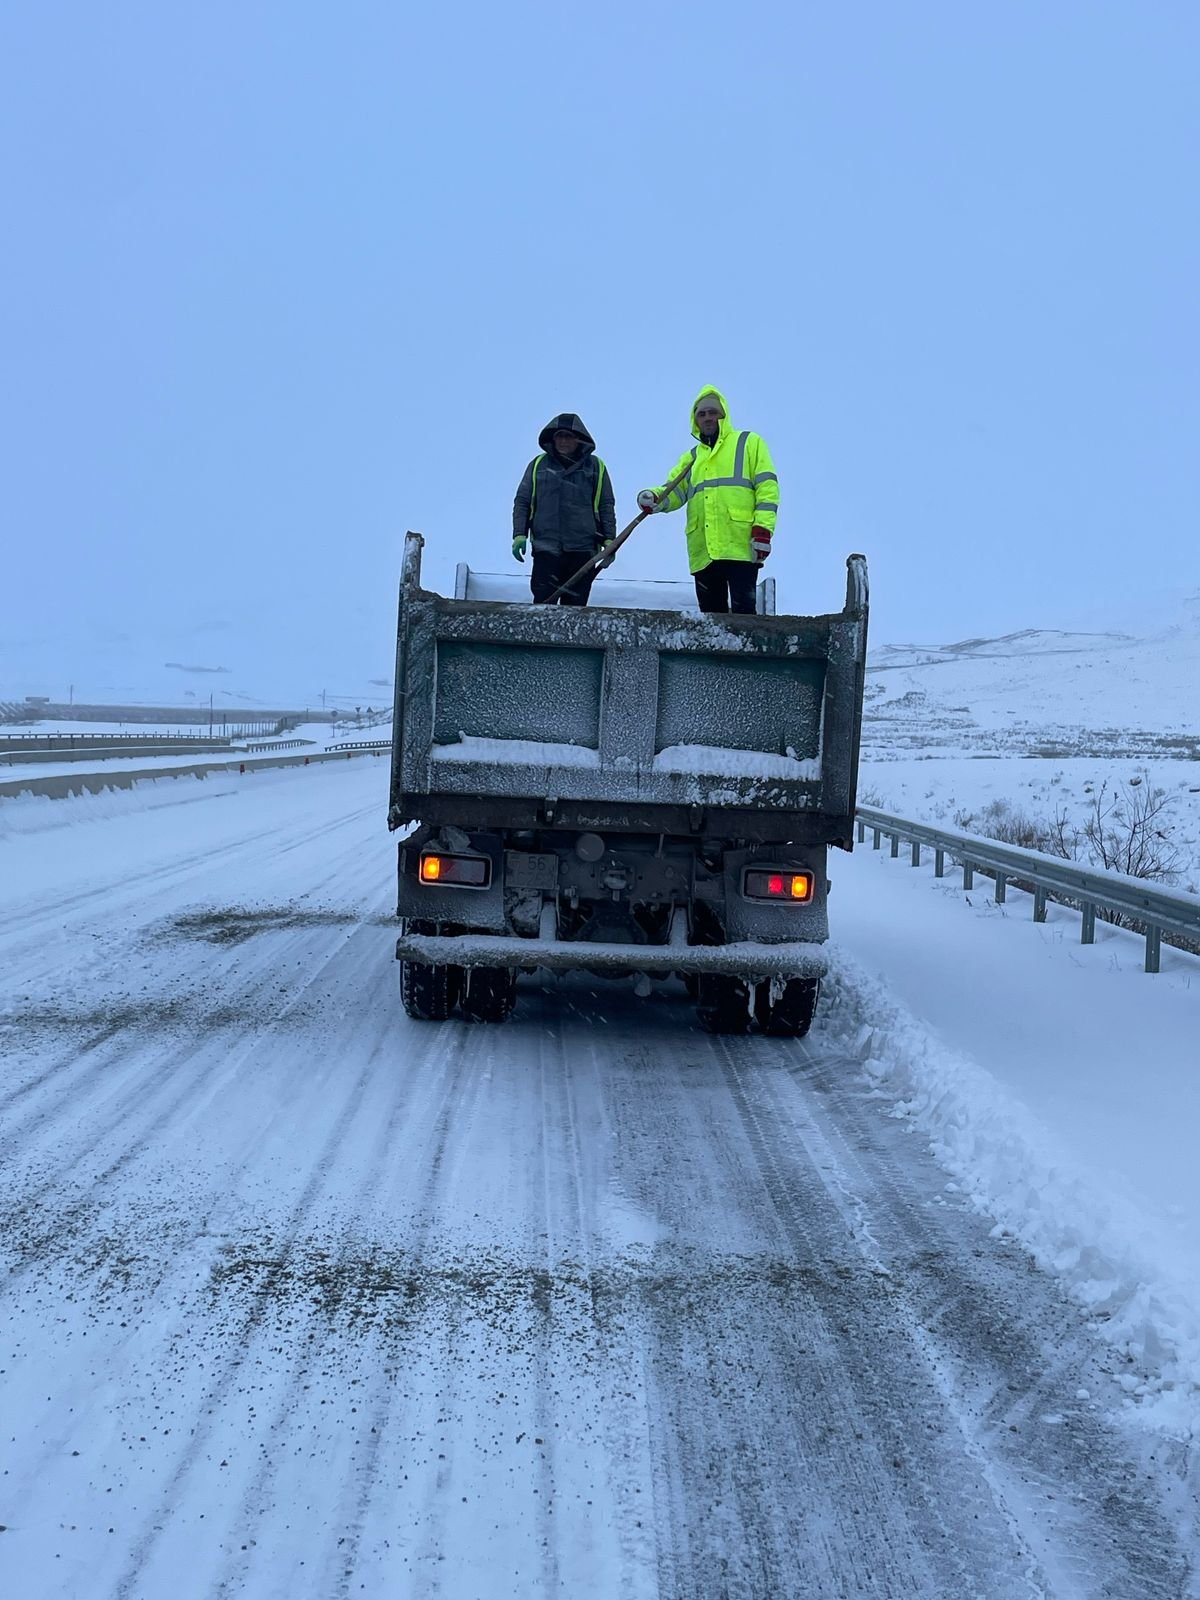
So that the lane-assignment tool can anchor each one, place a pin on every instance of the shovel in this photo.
(605, 554)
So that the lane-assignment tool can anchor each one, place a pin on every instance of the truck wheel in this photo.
(489, 993)
(429, 993)
(790, 1014)
(722, 1003)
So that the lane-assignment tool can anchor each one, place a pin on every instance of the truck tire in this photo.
(429, 993)
(489, 994)
(790, 1014)
(722, 1003)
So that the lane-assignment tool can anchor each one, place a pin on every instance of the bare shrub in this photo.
(1062, 837)
(1129, 830)
(1003, 821)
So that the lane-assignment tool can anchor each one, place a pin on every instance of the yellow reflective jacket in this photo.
(730, 489)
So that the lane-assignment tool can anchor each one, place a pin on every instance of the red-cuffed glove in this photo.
(760, 544)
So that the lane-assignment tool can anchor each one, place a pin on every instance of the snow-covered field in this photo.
(1040, 723)
(306, 1299)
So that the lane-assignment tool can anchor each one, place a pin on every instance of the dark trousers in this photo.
(549, 570)
(727, 586)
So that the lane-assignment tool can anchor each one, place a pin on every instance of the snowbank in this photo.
(1084, 1223)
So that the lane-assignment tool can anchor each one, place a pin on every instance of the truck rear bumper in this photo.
(744, 959)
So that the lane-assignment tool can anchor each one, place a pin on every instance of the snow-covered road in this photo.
(305, 1299)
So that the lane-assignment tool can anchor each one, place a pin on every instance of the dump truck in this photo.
(631, 788)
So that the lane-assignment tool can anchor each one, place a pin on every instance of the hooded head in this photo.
(712, 397)
(566, 422)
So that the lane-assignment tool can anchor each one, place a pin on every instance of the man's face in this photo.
(566, 443)
(708, 417)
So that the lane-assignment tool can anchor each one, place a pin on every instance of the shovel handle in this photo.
(604, 555)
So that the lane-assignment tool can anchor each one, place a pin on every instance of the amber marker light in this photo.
(455, 872)
(801, 886)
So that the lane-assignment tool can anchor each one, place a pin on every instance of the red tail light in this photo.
(794, 887)
(463, 872)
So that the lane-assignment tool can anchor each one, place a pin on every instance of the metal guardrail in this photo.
(1157, 910)
(274, 744)
(361, 744)
(65, 785)
(139, 752)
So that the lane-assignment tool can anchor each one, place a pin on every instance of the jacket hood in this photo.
(570, 423)
(724, 422)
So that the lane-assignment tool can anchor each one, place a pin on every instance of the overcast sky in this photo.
(279, 281)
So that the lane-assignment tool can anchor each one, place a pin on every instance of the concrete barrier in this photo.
(65, 784)
(104, 752)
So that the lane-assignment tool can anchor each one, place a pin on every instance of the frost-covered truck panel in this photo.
(627, 789)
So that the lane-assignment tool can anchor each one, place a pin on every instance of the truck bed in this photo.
(515, 716)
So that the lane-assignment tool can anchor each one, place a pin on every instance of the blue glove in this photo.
(519, 544)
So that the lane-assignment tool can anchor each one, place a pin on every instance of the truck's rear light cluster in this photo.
(464, 872)
(794, 887)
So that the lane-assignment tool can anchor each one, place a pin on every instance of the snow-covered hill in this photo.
(1039, 722)
(1040, 690)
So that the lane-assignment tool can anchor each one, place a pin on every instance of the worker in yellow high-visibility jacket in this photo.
(732, 497)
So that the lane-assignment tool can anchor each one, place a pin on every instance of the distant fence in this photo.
(1156, 911)
(22, 742)
(250, 722)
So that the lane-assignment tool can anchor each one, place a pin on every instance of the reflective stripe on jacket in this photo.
(731, 488)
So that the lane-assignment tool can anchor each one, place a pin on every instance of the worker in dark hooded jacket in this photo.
(565, 503)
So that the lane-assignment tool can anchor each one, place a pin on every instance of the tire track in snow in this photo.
(449, 1057)
(988, 1350)
(137, 1112)
(69, 1058)
(251, 1322)
(456, 1115)
(207, 1225)
(129, 1018)
(1118, 1546)
(254, 999)
(134, 898)
(573, 1317)
(865, 1332)
(710, 1431)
